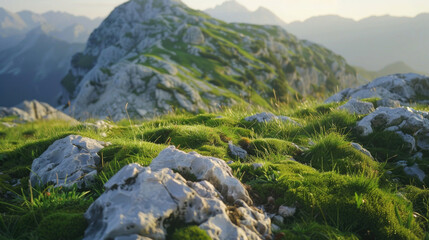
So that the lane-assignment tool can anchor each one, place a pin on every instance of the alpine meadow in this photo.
(176, 123)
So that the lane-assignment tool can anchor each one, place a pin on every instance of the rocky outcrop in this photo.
(237, 151)
(193, 35)
(29, 111)
(404, 88)
(68, 161)
(355, 106)
(410, 124)
(204, 168)
(160, 55)
(361, 149)
(143, 202)
(268, 117)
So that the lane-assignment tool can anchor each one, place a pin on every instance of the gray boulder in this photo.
(140, 202)
(388, 103)
(211, 169)
(415, 171)
(67, 161)
(359, 147)
(355, 106)
(193, 35)
(410, 124)
(29, 111)
(269, 117)
(404, 88)
(237, 151)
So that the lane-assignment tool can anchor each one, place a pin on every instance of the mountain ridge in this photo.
(232, 11)
(190, 61)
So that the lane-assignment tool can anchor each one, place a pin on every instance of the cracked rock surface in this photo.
(142, 202)
(403, 88)
(410, 124)
(354, 106)
(67, 161)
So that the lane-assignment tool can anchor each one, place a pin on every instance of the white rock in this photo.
(401, 121)
(286, 211)
(138, 202)
(268, 117)
(67, 161)
(275, 228)
(194, 35)
(204, 168)
(98, 125)
(415, 171)
(359, 147)
(388, 103)
(354, 106)
(418, 155)
(257, 165)
(404, 88)
(278, 219)
(237, 151)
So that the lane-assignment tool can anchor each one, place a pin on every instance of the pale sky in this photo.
(288, 10)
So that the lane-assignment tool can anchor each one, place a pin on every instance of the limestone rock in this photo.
(29, 111)
(268, 117)
(140, 202)
(388, 103)
(415, 171)
(211, 169)
(194, 35)
(257, 165)
(410, 124)
(354, 106)
(286, 211)
(237, 151)
(67, 161)
(403, 88)
(359, 147)
(98, 125)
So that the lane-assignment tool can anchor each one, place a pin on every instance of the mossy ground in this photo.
(339, 192)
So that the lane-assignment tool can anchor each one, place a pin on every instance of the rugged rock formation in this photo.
(71, 160)
(143, 202)
(404, 88)
(204, 168)
(29, 111)
(410, 124)
(160, 55)
(355, 106)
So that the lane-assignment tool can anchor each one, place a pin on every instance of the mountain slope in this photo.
(373, 42)
(31, 69)
(161, 55)
(232, 11)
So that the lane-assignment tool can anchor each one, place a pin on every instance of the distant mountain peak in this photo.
(233, 11)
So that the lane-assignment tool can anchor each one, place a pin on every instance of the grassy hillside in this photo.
(339, 192)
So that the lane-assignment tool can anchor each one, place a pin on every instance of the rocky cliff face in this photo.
(161, 55)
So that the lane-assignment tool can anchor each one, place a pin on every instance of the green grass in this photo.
(339, 192)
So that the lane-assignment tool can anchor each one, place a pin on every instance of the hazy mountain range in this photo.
(63, 26)
(35, 53)
(371, 43)
(232, 11)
